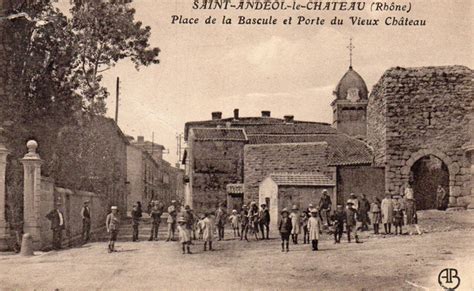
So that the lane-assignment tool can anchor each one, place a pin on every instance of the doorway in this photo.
(426, 175)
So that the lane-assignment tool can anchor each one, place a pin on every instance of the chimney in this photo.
(236, 113)
(289, 118)
(266, 113)
(140, 139)
(216, 115)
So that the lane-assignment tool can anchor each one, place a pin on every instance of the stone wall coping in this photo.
(70, 192)
(322, 143)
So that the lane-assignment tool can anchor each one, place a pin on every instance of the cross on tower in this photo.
(350, 47)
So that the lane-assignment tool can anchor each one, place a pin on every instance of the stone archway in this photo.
(452, 168)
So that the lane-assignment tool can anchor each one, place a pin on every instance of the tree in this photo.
(105, 33)
(51, 70)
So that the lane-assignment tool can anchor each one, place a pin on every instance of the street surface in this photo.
(379, 263)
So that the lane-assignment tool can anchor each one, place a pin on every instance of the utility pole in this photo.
(117, 94)
(178, 148)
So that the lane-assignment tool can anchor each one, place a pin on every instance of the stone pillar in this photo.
(469, 150)
(31, 193)
(4, 229)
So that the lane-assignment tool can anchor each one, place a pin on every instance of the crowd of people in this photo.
(253, 222)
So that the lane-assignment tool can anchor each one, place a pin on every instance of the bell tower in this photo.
(350, 104)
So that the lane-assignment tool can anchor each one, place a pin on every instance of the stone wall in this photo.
(72, 202)
(360, 180)
(376, 126)
(214, 165)
(426, 113)
(262, 160)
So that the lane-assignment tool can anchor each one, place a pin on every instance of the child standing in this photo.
(184, 235)
(295, 223)
(285, 227)
(314, 228)
(397, 215)
(376, 214)
(112, 224)
(304, 224)
(235, 222)
(339, 218)
(351, 222)
(207, 231)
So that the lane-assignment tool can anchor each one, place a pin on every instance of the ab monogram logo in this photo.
(448, 279)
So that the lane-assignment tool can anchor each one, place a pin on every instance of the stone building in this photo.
(420, 125)
(282, 190)
(227, 158)
(149, 177)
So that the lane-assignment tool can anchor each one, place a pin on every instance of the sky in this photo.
(284, 69)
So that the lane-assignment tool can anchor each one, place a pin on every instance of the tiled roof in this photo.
(301, 179)
(343, 150)
(235, 188)
(230, 134)
(263, 125)
(290, 128)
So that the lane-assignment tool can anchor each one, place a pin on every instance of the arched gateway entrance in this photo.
(426, 175)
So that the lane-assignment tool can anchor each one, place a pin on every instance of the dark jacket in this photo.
(136, 214)
(284, 226)
(325, 202)
(53, 216)
(264, 216)
(351, 217)
(156, 216)
(339, 217)
(364, 205)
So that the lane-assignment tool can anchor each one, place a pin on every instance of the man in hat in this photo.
(220, 221)
(253, 219)
(285, 227)
(155, 214)
(295, 224)
(264, 220)
(189, 219)
(364, 208)
(136, 215)
(86, 222)
(112, 223)
(171, 220)
(325, 207)
(57, 225)
(244, 222)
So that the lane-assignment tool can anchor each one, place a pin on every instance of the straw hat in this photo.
(114, 208)
(284, 210)
(294, 207)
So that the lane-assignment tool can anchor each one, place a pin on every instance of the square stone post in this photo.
(4, 229)
(31, 193)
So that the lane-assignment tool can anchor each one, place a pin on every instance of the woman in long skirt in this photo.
(387, 213)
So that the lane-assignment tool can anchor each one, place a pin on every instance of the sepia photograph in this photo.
(236, 145)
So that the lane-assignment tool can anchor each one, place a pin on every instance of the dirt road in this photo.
(379, 263)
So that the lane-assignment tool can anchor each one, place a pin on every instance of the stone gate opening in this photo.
(425, 176)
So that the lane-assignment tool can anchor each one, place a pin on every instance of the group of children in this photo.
(353, 218)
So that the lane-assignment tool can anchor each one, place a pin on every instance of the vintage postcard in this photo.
(236, 145)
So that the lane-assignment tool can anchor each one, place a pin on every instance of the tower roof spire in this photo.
(350, 47)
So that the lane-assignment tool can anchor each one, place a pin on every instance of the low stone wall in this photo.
(72, 202)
